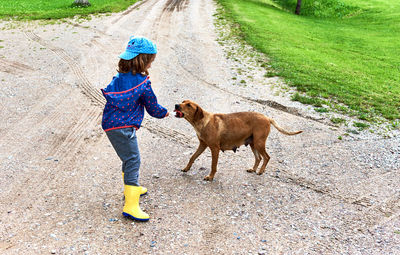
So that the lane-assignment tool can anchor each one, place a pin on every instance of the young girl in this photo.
(127, 95)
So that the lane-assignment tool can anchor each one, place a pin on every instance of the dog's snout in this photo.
(177, 107)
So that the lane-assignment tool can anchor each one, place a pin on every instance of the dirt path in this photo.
(60, 180)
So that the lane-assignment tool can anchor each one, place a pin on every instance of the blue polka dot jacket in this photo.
(127, 95)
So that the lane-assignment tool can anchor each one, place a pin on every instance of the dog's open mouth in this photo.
(178, 114)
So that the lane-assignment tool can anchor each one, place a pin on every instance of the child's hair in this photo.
(136, 65)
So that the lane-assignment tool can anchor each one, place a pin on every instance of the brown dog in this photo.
(228, 132)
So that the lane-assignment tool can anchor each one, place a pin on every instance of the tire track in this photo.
(163, 19)
(14, 67)
(379, 215)
(75, 135)
(35, 120)
(308, 184)
(178, 5)
(141, 22)
(129, 10)
(84, 84)
(165, 132)
(388, 210)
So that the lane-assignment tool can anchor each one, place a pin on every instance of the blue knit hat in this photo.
(137, 45)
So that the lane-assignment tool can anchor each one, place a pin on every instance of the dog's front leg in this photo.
(200, 149)
(214, 154)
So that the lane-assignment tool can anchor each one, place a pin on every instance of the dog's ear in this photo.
(198, 115)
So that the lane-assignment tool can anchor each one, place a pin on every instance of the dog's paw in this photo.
(251, 170)
(185, 169)
(259, 173)
(208, 178)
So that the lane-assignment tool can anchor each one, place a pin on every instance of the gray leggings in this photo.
(124, 141)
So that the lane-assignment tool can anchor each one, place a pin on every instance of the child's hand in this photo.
(166, 115)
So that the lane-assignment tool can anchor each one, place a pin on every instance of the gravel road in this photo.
(61, 190)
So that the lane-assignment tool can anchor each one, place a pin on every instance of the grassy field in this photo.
(336, 53)
(56, 9)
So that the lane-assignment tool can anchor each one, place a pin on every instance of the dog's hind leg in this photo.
(214, 154)
(200, 149)
(257, 159)
(266, 157)
(260, 139)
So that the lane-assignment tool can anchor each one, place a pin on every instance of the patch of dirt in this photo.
(60, 179)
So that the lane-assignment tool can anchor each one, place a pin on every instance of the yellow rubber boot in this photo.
(142, 192)
(132, 209)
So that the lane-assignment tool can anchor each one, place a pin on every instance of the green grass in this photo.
(340, 52)
(322, 8)
(56, 9)
(361, 126)
(338, 120)
(321, 109)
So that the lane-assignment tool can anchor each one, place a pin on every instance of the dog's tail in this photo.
(282, 130)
